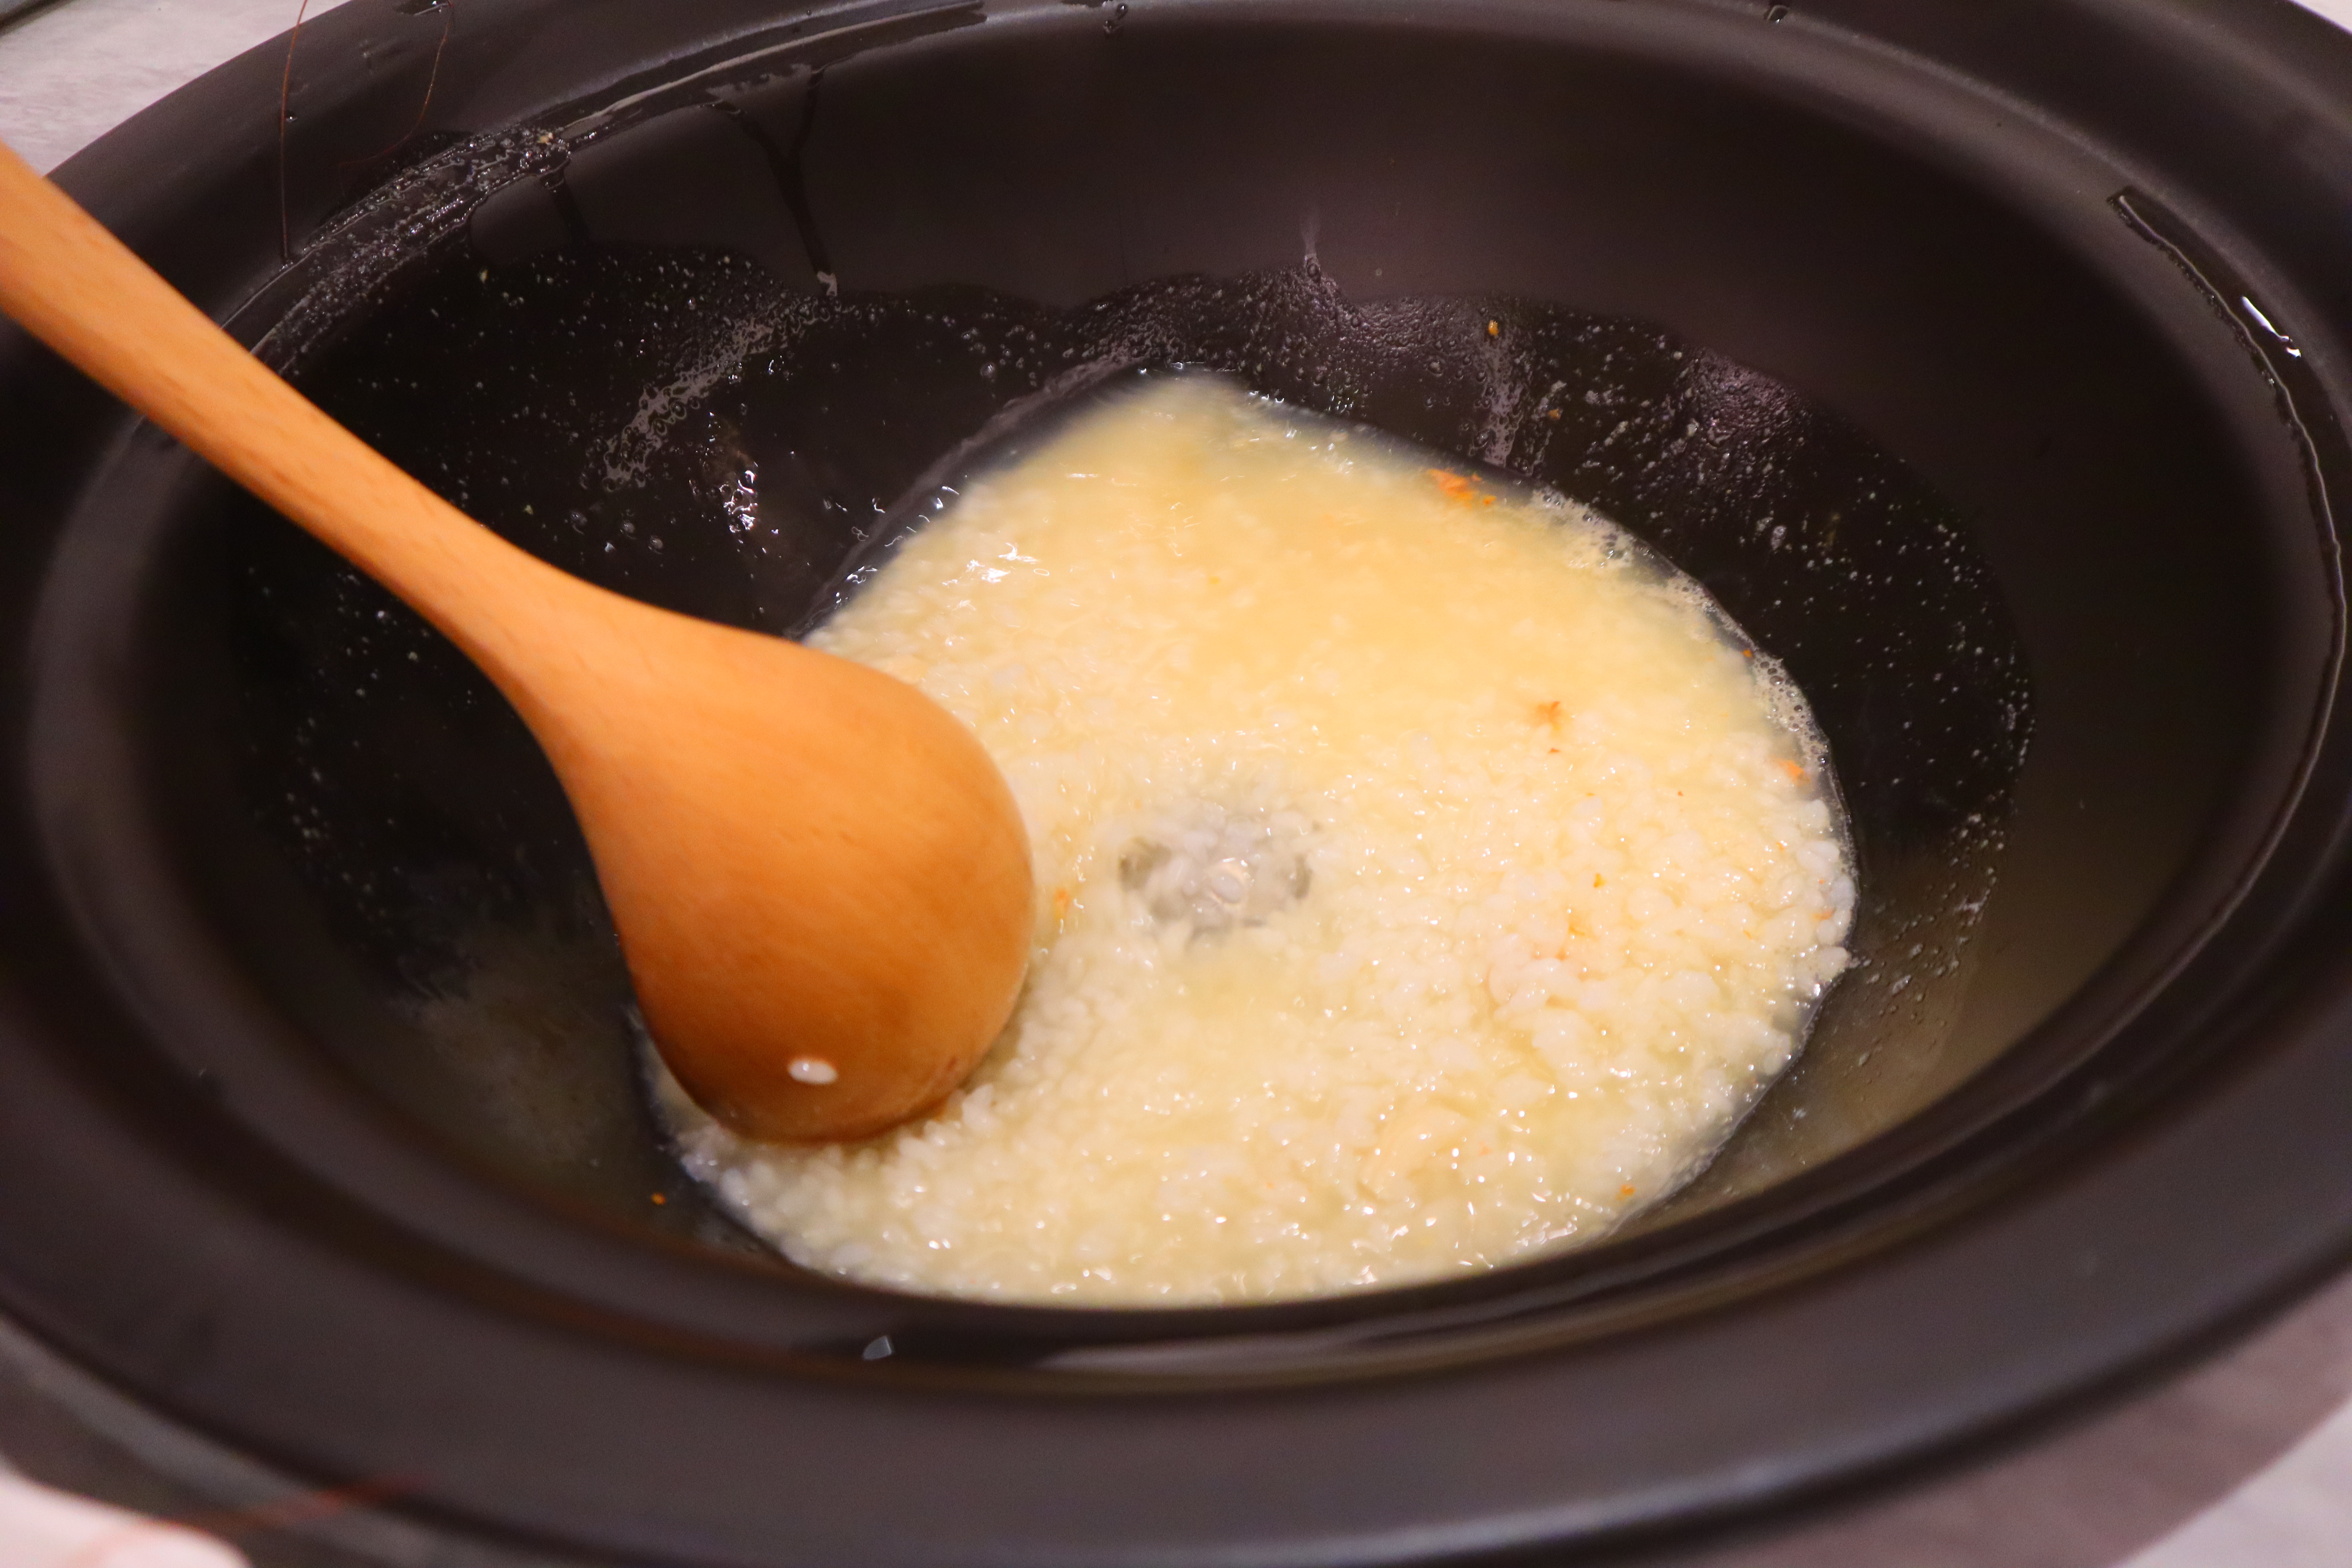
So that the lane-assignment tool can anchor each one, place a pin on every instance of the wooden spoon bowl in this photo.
(821, 883)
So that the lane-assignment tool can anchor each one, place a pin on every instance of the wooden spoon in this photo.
(821, 882)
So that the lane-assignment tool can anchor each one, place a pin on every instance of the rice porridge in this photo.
(1426, 876)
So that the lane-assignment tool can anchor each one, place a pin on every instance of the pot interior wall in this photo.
(1939, 461)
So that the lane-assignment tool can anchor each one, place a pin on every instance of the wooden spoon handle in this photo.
(80, 290)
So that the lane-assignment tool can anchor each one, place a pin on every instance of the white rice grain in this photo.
(1425, 880)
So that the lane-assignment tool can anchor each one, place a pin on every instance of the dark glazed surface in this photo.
(299, 944)
(793, 433)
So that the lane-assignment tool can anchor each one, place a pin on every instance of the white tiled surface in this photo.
(2297, 1513)
(80, 68)
(40, 1528)
(2245, 1463)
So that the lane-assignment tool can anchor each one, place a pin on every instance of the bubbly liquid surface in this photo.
(1425, 876)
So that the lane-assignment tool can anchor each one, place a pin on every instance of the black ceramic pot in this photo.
(1987, 361)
